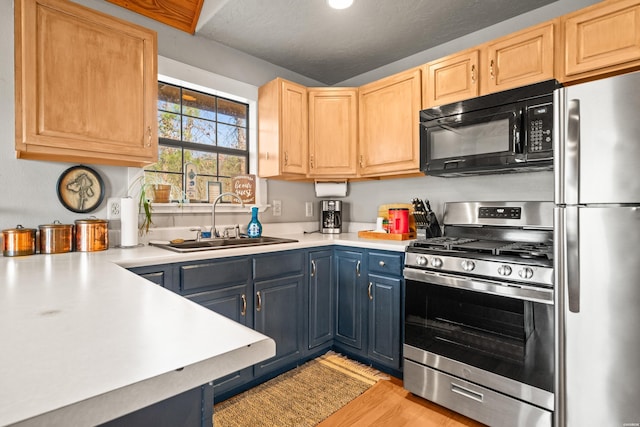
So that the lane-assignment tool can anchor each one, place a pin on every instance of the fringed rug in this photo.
(301, 397)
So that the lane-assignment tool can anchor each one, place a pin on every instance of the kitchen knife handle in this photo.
(243, 312)
(259, 301)
(313, 268)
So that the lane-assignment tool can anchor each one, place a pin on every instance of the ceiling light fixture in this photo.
(340, 4)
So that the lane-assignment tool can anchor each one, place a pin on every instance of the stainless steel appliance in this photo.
(509, 131)
(597, 238)
(479, 323)
(331, 216)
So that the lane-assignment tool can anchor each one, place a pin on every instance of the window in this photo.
(202, 138)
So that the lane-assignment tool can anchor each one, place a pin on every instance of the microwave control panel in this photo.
(540, 128)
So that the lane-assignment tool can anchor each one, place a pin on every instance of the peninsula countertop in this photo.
(85, 341)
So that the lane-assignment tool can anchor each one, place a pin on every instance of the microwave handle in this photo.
(518, 123)
(454, 161)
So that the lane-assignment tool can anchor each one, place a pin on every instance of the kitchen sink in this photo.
(224, 243)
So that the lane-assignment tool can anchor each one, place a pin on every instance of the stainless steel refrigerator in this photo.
(597, 252)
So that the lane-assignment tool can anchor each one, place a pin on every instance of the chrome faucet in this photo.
(214, 233)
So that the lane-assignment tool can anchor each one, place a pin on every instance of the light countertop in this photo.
(85, 341)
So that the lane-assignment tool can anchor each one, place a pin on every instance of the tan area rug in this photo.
(301, 397)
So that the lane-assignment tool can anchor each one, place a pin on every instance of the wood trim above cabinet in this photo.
(601, 39)
(85, 86)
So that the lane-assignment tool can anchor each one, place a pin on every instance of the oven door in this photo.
(463, 328)
(485, 140)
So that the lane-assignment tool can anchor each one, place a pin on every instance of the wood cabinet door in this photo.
(388, 124)
(451, 79)
(86, 85)
(519, 59)
(293, 128)
(602, 38)
(333, 132)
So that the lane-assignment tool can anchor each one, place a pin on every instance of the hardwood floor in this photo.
(388, 404)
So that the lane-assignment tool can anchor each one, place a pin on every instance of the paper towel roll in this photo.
(331, 189)
(128, 222)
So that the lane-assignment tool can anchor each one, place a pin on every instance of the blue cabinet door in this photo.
(163, 275)
(279, 315)
(350, 294)
(321, 298)
(384, 295)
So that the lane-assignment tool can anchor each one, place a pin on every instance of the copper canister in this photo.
(92, 235)
(19, 241)
(56, 238)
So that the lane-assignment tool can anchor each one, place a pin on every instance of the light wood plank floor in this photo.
(387, 404)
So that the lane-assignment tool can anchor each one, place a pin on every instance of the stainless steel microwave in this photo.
(509, 131)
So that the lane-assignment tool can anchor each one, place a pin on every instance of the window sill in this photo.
(174, 208)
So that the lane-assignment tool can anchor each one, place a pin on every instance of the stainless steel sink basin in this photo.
(214, 244)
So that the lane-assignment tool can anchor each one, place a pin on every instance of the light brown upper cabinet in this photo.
(599, 39)
(515, 60)
(388, 124)
(282, 130)
(451, 79)
(519, 59)
(86, 86)
(333, 132)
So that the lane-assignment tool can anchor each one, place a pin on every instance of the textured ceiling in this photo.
(330, 46)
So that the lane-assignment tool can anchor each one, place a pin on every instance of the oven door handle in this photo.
(526, 293)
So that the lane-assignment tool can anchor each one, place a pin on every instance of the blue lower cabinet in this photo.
(349, 276)
(321, 300)
(163, 275)
(384, 320)
(193, 408)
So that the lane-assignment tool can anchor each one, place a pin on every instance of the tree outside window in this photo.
(205, 130)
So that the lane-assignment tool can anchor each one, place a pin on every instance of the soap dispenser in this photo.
(254, 229)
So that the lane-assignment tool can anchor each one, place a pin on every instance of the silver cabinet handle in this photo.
(358, 269)
(258, 302)
(148, 136)
(473, 73)
(381, 263)
(369, 291)
(244, 305)
(313, 268)
(491, 70)
(463, 391)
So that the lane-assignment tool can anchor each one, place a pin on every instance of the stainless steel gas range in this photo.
(479, 318)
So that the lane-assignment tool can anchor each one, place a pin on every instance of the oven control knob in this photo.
(421, 260)
(468, 265)
(504, 270)
(436, 262)
(526, 273)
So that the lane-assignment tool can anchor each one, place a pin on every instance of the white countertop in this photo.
(85, 341)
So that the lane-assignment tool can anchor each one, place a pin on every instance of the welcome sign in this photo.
(245, 187)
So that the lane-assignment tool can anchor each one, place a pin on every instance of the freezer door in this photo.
(599, 341)
(597, 126)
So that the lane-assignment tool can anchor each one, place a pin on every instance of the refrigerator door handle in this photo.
(571, 155)
(572, 257)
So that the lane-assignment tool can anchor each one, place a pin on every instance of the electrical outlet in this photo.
(113, 208)
(277, 207)
(308, 209)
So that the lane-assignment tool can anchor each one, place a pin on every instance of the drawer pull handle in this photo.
(381, 263)
(463, 391)
(369, 291)
(313, 268)
(259, 304)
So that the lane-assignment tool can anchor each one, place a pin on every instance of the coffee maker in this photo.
(331, 216)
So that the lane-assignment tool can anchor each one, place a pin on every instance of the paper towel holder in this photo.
(331, 188)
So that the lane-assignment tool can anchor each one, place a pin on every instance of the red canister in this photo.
(398, 220)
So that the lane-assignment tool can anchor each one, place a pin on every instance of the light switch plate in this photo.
(277, 207)
(308, 209)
